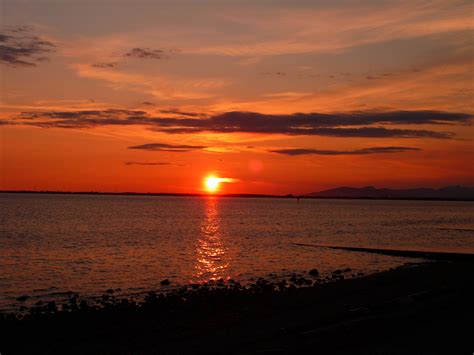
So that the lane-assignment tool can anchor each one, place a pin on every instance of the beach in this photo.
(423, 308)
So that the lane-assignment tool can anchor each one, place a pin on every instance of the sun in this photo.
(212, 183)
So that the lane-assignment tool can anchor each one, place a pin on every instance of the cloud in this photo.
(224, 179)
(367, 132)
(148, 53)
(82, 118)
(18, 48)
(277, 73)
(323, 27)
(158, 86)
(322, 124)
(163, 147)
(104, 65)
(181, 113)
(145, 163)
(82, 114)
(365, 151)
(350, 124)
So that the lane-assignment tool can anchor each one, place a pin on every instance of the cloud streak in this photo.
(145, 163)
(163, 147)
(364, 151)
(148, 53)
(105, 65)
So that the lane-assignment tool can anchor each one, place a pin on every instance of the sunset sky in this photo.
(277, 97)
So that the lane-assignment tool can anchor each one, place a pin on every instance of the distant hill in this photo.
(448, 193)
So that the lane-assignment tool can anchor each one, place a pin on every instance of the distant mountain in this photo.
(448, 193)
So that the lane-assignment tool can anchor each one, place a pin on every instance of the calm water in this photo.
(50, 244)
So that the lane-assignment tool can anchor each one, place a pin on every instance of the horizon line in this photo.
(239, 195)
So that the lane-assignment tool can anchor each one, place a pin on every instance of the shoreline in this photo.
(367, 314)
(27, 303)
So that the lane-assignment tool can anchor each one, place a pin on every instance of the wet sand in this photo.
(423, 309)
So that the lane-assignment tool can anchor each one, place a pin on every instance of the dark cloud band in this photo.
(365, 151)
(145, 163)
(163, 147)
(352, 124)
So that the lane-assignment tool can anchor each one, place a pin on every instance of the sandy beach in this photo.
(418, 308)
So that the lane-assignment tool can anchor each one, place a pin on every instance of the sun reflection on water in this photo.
(211, 254)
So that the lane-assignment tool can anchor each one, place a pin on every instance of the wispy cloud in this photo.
(145, 163)
(181, 113)
(104, 65)
(105, 114)
(325, 28)
(163, 147)
(364, 151)
(159, 86)
(148, 53)
(19, 48)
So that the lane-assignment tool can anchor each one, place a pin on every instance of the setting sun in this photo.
(212, 183)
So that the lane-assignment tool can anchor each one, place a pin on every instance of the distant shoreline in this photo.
(175, 194)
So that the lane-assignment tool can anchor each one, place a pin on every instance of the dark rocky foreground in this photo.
(418, 309)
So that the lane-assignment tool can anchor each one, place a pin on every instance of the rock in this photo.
(348, 269)
(109, 291)
(124, 302)
(23, 298)
(281, 285)
(151, 297)
(359, 311)
(313, 272)
(165, 282)
(337, 272)
(51, 306)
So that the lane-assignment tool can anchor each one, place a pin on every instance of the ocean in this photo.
(52, 246)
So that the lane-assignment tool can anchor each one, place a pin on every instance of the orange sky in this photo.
(278, 97)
